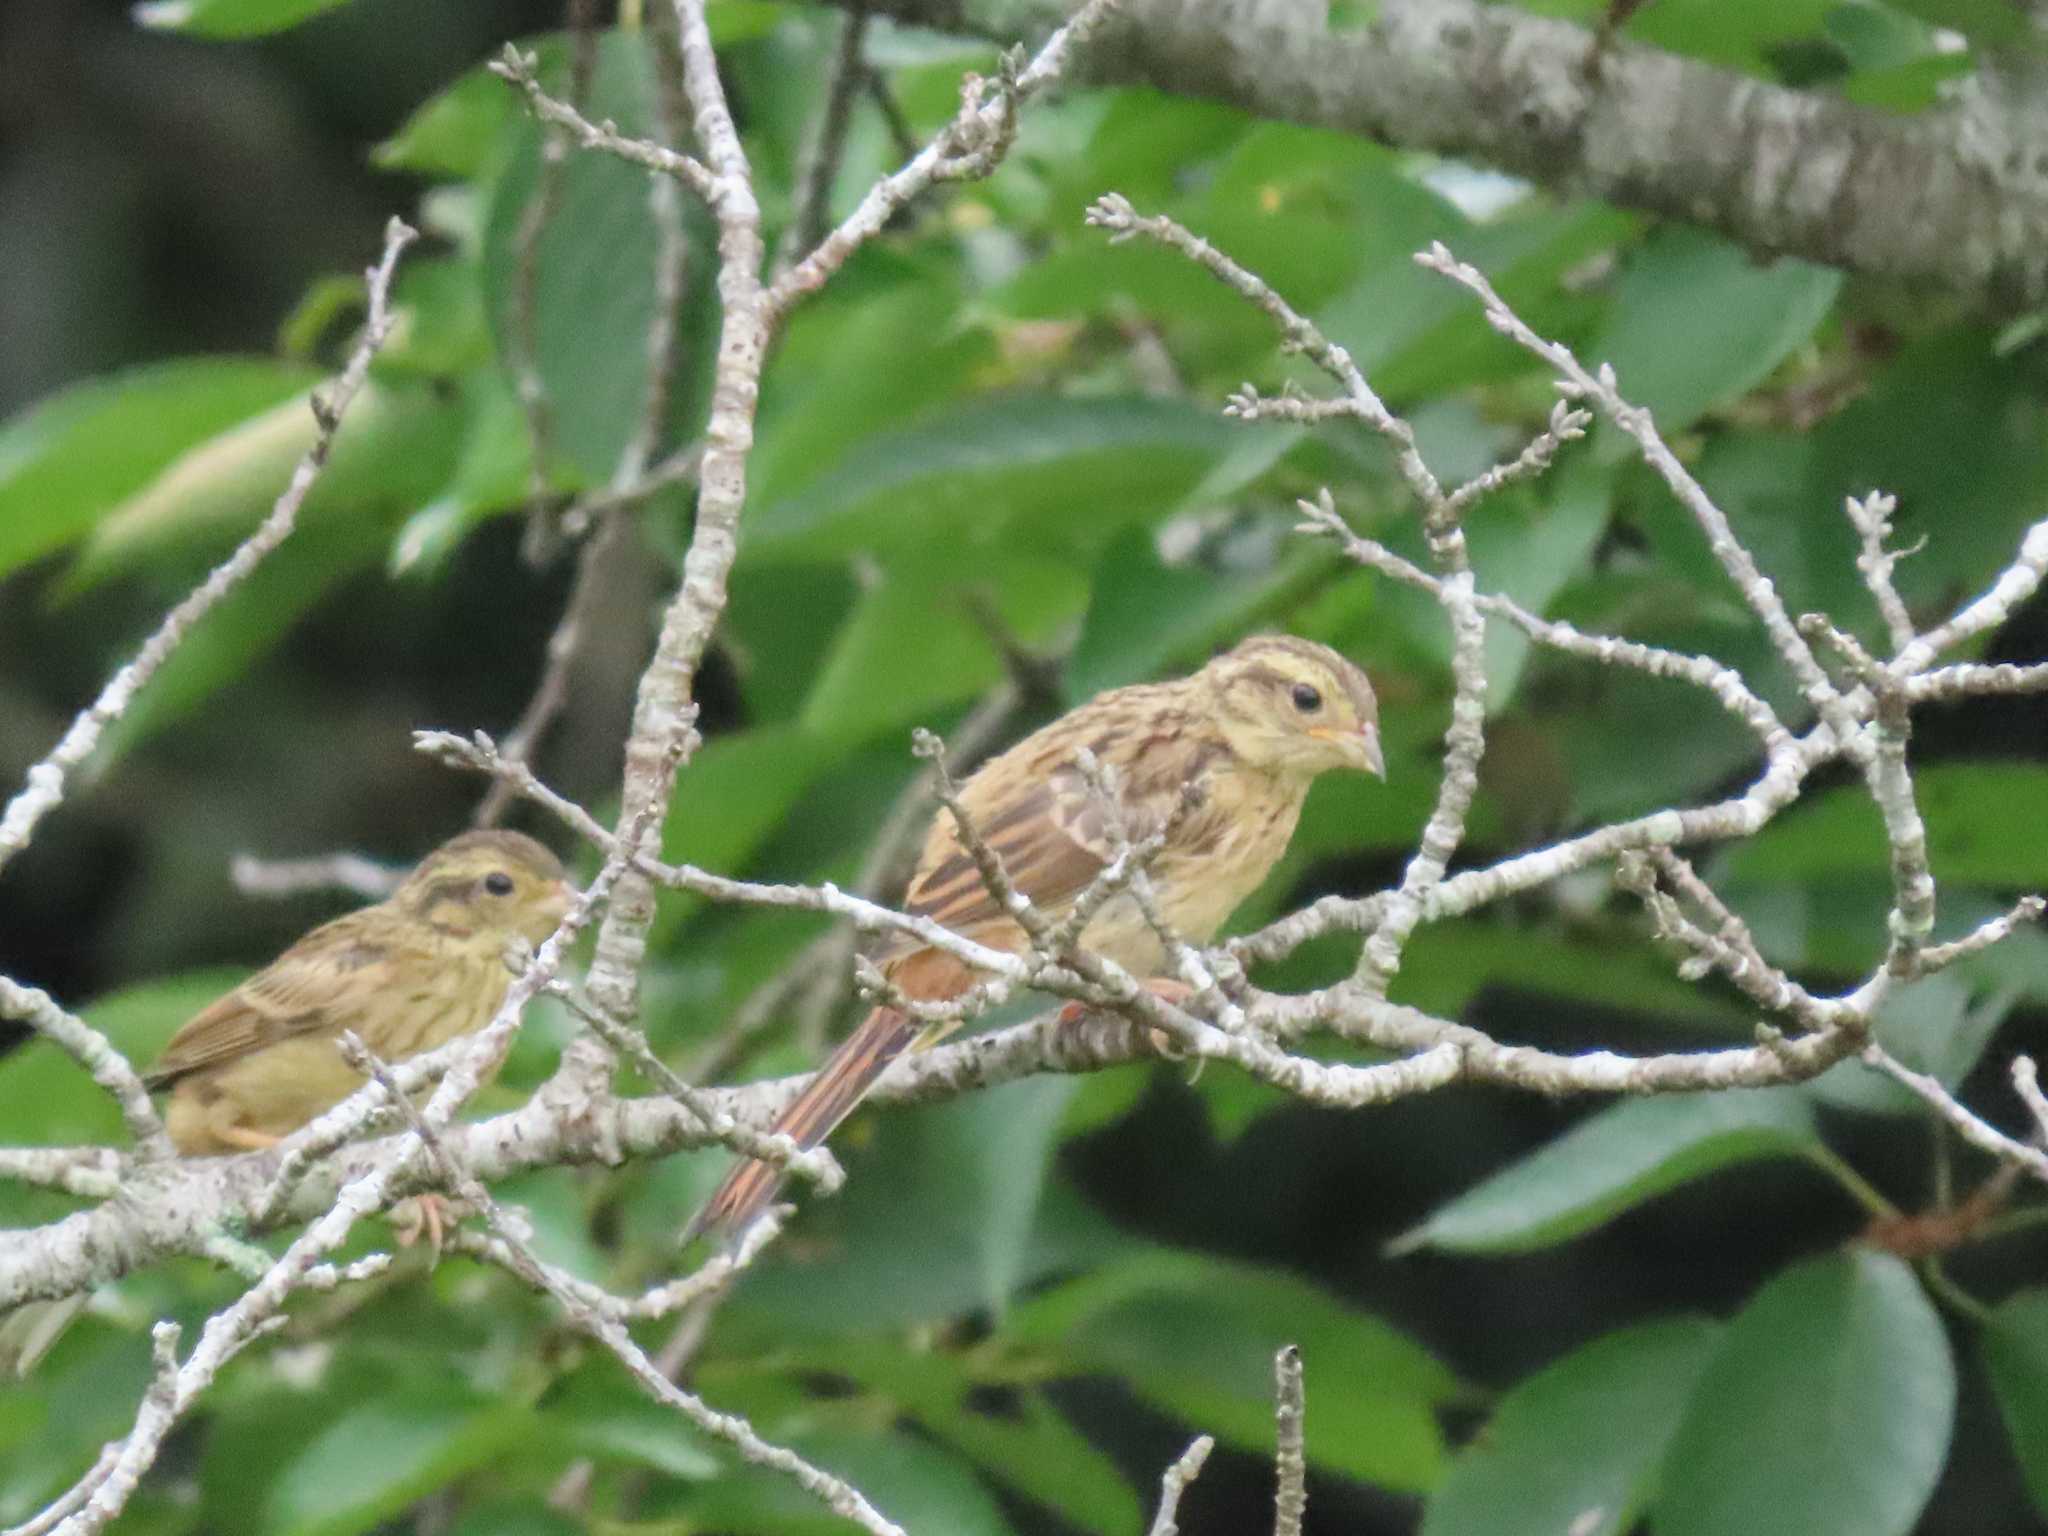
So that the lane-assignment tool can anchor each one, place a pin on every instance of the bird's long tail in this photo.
(826, 1100)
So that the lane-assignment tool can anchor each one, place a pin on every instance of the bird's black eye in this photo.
(1306, 699)
(498, 883)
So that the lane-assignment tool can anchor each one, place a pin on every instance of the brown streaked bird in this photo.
(1250, 732)
(410, 973)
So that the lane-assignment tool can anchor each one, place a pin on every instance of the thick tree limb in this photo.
(1951, 196)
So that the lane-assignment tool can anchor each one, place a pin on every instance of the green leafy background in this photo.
(996, 429)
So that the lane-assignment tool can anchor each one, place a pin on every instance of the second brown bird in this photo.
(1249, 732)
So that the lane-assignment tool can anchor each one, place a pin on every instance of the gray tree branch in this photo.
(1955, 196)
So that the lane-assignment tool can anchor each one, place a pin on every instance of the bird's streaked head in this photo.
(1292, 706)
(490, 884)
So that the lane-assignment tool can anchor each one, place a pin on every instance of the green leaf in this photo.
(1012, 1433)
(455, 134)
(1418, 336)
(394, 447)
(64, 462)
(1196, 1336)
(244, 627)
(49, 1098)
(1931, 1027)
(1447, 965)
(52, 1429)
(1055, 474)
(1233, 1100)
(441, 330)
(1617, 1159)
(1010, 1157)
(229, 18)
(1308, 209)
(2015, 1343)
(824, 396)
(733, 796)
(1909, 87)
(1826, 1412)
(594, 296)
(1528, 552)
(1610, 772)
(1971, 509)
(779, 620)
(951, 1212)
(381, 1455)
(1146, 615)
(1145, 144)
(1698, 321)
(492, 474)
(739, 21)
(912, 646)
(918, 1486)
(515, 1517)
(1987, 23)
(1740, 33)
(603, 1414)
(1972, 836)
(1029, 1446)
(1577, 1446)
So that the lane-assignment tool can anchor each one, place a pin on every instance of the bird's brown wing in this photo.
(321, 983)
(1045, 821)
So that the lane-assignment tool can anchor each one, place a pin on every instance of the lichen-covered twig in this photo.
(94, 1052)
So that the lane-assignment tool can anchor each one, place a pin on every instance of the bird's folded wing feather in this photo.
(323, 983)
(1051, 834)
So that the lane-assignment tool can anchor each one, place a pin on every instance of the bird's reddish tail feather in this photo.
(826, 1100)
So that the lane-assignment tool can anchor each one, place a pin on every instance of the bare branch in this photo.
(1978, 1133)
(1871, 517)
(815, 1163)
(1946, 684)
(45, 787)
(825, 144)
(2026, 1082)
(1290, 1496)
(1174, 1482)
(970, 146)
(92, 1172)
(94, 1052)
(1935, 957)
(519, 70)
(1787, 171)
(349, 872)
(1601, 389)
(522, 337)
(1723, 682)
(2012, 586)
(1114, 213)
(586, 603)
(663, 733)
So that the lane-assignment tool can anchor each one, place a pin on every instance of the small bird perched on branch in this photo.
(1217, 765)
(412, 972)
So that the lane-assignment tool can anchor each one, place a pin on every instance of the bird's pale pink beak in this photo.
(1369, 752)
(1363, 748)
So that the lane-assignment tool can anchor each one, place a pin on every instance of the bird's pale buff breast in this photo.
(1217, 858)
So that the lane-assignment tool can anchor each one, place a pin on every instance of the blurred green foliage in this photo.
(995, 428)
